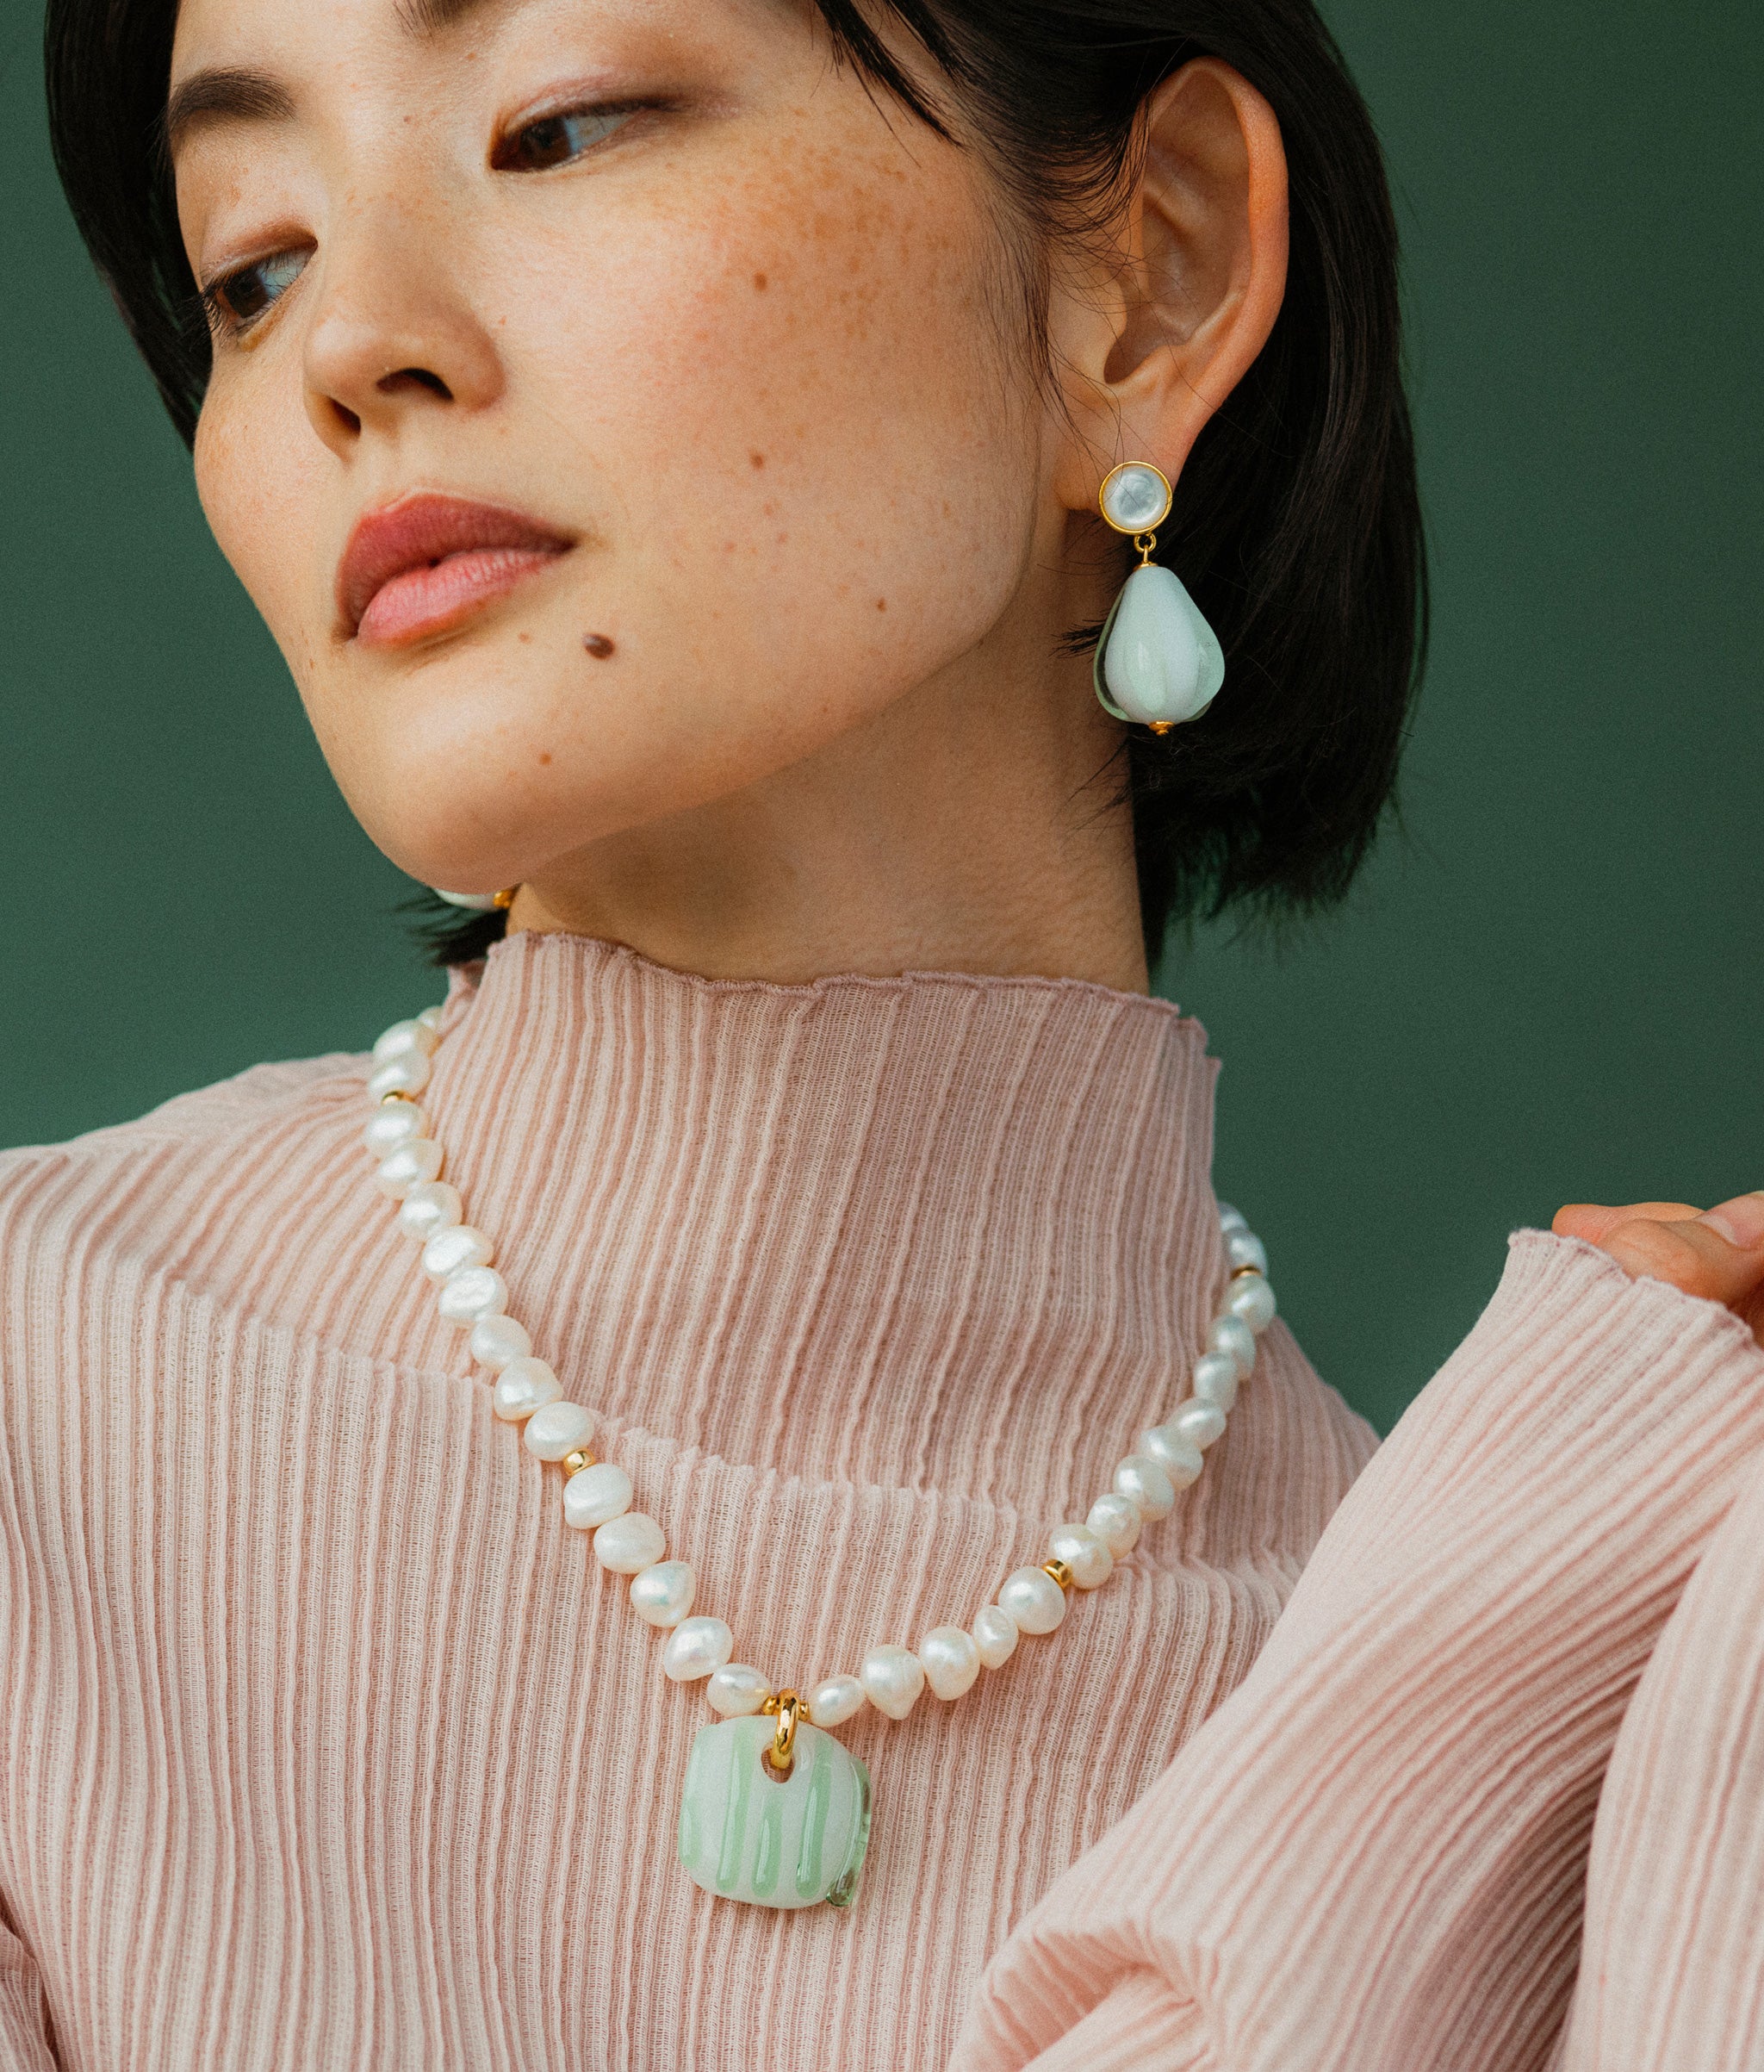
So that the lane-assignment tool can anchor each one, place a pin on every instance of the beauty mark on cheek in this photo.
(597, 646)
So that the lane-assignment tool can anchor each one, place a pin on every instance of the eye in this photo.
(237, 300)
(557, 138)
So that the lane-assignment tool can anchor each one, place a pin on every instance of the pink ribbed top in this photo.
(327, 1743)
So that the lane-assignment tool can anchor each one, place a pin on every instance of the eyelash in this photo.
(562, 128)
(216, 294)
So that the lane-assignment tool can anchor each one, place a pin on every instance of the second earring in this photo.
(1158, 663)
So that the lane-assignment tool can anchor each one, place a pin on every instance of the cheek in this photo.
(823, 476)
(260, 478)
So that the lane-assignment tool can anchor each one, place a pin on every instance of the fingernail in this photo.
(1741, 1222)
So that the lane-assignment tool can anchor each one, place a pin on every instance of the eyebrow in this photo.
(225, 93)
(430, 18)
(233, 93)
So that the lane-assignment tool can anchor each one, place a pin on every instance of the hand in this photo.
(1716, 1253)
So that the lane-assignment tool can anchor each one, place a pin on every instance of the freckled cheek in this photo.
(747, 361)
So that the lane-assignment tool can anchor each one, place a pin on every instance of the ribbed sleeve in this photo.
(1373, 1854)
(1672, 1969)
(325, 1742)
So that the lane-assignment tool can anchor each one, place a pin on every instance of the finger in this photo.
(1588, 1220)
(1691, 1253)
(1741, 1221)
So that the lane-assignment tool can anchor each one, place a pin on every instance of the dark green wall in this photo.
(1552, 988)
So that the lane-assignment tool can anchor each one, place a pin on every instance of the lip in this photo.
(429, 561)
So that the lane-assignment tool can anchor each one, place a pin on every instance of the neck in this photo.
(974, 825)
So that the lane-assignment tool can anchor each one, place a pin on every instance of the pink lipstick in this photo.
(429, 561)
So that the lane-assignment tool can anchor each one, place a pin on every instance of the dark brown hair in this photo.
(1297, 524)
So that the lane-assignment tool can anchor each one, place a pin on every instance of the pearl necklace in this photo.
(775, 1811)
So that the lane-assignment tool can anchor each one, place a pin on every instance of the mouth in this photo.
(429, 561)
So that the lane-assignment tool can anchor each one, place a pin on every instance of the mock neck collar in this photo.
(938, 1230)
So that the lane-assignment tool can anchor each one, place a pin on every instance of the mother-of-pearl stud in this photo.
(1134, 498)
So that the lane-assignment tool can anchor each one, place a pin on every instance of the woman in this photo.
(670, 443)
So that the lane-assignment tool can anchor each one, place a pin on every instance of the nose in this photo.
(394, 333)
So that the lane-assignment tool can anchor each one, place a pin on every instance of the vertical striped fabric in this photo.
(325, 1742)
(1374, 1854)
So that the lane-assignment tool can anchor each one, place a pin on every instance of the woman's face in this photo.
(671, 372)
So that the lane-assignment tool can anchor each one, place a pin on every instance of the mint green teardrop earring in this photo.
(1158, 661)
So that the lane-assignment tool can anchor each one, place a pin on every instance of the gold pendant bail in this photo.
(788, 1708)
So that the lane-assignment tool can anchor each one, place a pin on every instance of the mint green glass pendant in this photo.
(746, 1833)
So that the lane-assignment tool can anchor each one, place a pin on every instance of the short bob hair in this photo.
(1298, 525)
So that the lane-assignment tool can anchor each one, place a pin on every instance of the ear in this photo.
(1190, 291)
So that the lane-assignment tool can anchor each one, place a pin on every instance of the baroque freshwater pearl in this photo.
(1250, 1298)
(418, 1158)
(593, 1496)
(1115, 1521)
(1142, 1480)
(1161, 661)
(1232, 1334)
(1084, 1552)
(951, 1660)
(392, 1125)
(1215, 1380)
(523, 1386)
(628, 1543)
(472, 1292)
(556, 1428)
(892, 1679)
(459, 1245)
(409, 1073)
(1200, 1423)
(1244, 1248)
(662, 1593)
(429, 1207)
(497, 1340)
(994, 1636)
(1178, 1457)
(1033, 1599)
(700, 1647)
(835, 1700)
(734, 1690)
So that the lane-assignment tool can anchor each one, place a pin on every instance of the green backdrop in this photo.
(1549, 985)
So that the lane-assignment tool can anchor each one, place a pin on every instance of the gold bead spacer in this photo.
(1241, 1272)
(1060, 1570)
(575, 1463)
(385, 1099)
